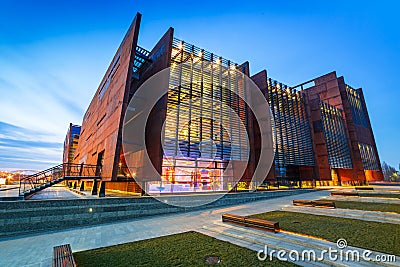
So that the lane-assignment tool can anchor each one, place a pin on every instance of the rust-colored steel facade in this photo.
(321, 132)
(100, 139)
(344, 144)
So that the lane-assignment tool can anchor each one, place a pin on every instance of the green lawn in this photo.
(185, 249)
(386, 207)
(384, 237)
(365, 194)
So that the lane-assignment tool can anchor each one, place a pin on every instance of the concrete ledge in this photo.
(11, 198)
(23, 217)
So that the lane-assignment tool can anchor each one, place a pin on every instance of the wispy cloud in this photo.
(44, 86)
(26, 149)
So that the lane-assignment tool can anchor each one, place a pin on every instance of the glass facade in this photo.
(141, 56)
(71, 143)
(335, 137)
(356, 107)
(201, 135)
(368, 157)
(292, 134)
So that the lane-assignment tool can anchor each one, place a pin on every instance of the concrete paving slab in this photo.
(365, 199)
(37, 249)
(288, 242)
(55, 192)
(375, 216)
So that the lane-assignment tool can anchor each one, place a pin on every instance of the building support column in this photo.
(94, 187)
(102, 191)
(143, 189)
(82, 187)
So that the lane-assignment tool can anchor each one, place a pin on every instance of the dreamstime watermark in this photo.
(331, 254)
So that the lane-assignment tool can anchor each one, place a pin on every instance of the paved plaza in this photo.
(55, 192)
(365, 215)
(365, 199)
(36, 249)
(9, 191)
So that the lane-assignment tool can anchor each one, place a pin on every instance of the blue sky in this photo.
(53, 55)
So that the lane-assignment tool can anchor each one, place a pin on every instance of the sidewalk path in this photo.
(37, 250)
(9, 191)
(55, 192)
(292, 243)
(366, 215)
(365, 199)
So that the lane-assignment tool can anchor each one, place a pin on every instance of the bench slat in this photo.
(251, 222)
(314, 203)
(62, 256)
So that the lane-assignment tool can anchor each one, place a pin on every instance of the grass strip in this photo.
(370, 206)
(184, 249)
(383, 237)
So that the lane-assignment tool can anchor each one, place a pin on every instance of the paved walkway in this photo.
(55, 192)
(365, 199)
(36, 250)
(366, 215)
(9, 191)
(288, 242)
(386, 188)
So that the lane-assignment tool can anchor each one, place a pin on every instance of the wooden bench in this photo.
(339, 193)
(314, 203)
(262, 224)
(232, 218)
(63, 256)
(251, 222)
(298, 202)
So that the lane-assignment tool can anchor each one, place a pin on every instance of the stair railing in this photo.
(54, 174)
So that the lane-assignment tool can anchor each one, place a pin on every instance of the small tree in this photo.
(395, 177)
(389, 172)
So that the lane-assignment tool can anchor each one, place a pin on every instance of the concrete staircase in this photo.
(67, 171)
(23, 217)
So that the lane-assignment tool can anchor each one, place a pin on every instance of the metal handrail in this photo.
(56, 174)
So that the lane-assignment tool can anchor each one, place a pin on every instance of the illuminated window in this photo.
(199, 132)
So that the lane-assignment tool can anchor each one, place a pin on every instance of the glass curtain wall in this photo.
(199, 132)
(292, 134)
(357, 110)
(335, 137)
(368, 157)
